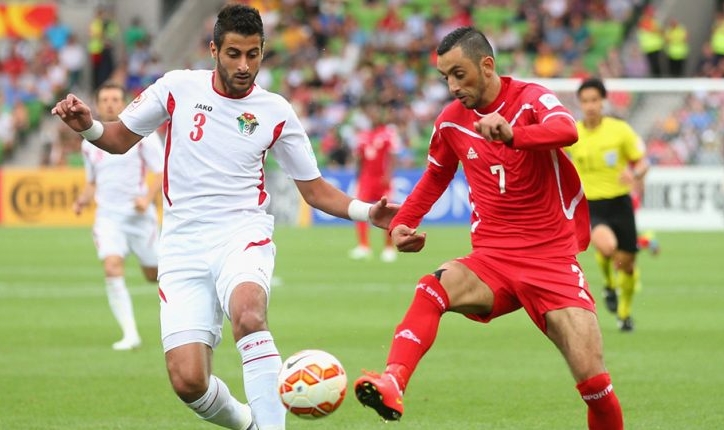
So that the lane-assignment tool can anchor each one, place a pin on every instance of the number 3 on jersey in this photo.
(198, 132)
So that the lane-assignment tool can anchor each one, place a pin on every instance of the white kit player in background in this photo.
(126, 218)
(216, 254)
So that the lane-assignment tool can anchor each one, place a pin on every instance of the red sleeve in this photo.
(441, 168)
(550, 126)
(558, 131)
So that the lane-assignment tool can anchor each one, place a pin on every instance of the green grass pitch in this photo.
(57, 369)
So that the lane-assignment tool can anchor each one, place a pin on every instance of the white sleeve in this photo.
(152, 152)
(148, 111)
(293, 150)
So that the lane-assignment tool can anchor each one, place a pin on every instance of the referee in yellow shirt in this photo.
(610, 160)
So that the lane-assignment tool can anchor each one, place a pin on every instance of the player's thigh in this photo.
(544, 284)
(247, 258)
(604, 239)
(189, 309)
(467, 292)
(576, 333)
(109, 238)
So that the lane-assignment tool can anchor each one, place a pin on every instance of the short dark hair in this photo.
(595, 83)
(472, 41)
(238, 18)
(111, 85)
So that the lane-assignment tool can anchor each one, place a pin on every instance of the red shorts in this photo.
(372, 193)
(538, 285)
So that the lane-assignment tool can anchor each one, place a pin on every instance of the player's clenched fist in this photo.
(494, 127)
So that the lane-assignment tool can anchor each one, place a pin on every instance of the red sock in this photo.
(418, 329)
(604, 411)
(363, 234)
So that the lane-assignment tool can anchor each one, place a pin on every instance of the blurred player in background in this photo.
(376, 155)
(126, 220)
(217, 255)
(610, 159)
(529, 220)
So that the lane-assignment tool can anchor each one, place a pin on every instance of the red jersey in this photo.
(375, 150)
(526, 196)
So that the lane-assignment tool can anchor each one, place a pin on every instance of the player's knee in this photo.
(248, 322)
(438, 273)
(150, 273)
(188, 383)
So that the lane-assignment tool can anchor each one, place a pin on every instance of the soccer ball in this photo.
(312, 384)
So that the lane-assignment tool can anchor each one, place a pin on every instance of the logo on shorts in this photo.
(247, 123)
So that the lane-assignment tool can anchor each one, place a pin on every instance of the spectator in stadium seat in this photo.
(677, 47)
(717, 36)
(651, 40)
(216, 254)
(72, 57)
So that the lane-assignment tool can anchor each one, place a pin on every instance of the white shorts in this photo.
(121, 235)
(195, 284)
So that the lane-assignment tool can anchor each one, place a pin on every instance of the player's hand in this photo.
(407, 239)
(382, 213)
(78, 206)
(494, 127)
(141, 204)
(74, 112)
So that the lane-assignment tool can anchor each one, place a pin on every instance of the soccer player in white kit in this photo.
(217, 255)
(125, 219)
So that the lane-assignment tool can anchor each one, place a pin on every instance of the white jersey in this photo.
(216, 147)
(121, 178)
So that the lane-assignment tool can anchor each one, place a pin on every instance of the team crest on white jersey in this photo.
(247, 123)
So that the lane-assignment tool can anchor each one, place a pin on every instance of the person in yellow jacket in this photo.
(610, 159)
(677, 47)
(717, 36)
(651, 40)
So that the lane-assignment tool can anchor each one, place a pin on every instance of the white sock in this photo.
(260, 365)
(120, 301)
(219, 407)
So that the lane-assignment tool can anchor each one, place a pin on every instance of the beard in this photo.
(232, 85)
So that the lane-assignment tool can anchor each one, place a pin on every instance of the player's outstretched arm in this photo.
(324, 196)
(112, 137)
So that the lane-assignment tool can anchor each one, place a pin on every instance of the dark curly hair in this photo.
(237, 18)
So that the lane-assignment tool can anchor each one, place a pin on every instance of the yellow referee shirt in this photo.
(602, 154)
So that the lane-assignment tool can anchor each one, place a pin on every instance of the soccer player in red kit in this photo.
(529, 220)
(376, 152)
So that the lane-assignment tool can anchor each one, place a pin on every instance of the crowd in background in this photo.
(330, 57)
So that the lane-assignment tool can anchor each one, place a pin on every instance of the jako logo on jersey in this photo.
(207, 108)
(472, 155)
(247, 123)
